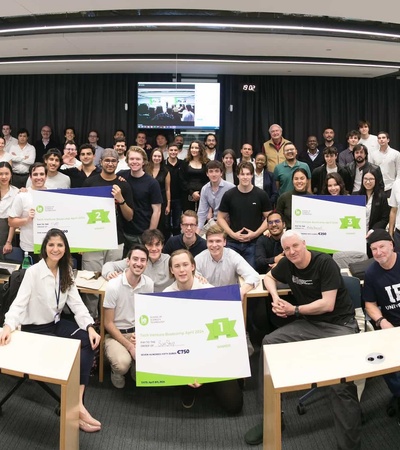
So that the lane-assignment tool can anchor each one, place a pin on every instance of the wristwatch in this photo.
(296, 311)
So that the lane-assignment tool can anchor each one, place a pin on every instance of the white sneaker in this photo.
(117, 380)
(250, 347)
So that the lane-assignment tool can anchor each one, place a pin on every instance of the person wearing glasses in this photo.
(268, 247)
(377, 205)
(189, 239)
(122, 194)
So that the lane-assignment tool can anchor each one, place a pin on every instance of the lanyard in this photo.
(59, 289)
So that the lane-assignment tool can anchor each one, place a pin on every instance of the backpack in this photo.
(9, 291)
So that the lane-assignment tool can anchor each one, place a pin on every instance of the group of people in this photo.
(227, 217)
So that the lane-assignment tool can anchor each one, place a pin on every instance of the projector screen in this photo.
(178, 105)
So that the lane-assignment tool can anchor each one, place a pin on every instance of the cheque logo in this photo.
(221, 327)
(297, 212)
(350, 222)
(144, 320)
(39, 208)
(98, 215)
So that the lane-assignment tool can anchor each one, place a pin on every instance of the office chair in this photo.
(353, 287)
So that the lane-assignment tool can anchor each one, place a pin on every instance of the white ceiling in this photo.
(210, 43)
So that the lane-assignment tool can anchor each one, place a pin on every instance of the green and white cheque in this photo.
(86, 215)
(190, 336)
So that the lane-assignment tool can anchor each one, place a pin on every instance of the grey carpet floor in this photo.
(153, 419)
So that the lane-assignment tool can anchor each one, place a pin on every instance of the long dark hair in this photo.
(65, 263)
(377, 189)
(7, 166)
(339, 181)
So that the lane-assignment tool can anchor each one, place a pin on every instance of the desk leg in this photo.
(102, 334)
(244, 306)
(272, 413)
(69, 410)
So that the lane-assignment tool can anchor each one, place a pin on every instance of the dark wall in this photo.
(301, 105)
(83, 101)
(305, 106)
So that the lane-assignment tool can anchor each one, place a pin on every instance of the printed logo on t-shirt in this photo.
(301, 282)
(393, 292)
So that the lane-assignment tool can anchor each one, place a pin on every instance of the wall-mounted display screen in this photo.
(178, 105)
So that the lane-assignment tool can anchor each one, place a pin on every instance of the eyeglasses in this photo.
(110, 161)
(369, 180)
(188, 225)
(274, 222)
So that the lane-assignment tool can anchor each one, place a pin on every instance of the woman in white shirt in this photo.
(4, 156)
(7, 194)
(229, 394)
(46, 288)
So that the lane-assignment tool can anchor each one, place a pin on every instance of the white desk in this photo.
(51, 360)
(322, 362)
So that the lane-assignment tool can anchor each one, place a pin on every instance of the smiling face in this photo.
(86, 156)
(70, 149)
(215, 245)
(275, 132)
(214, 175)
(182, 268)
(228, 160)
(211, 142)
(295, 250)
(194, 150)
(359, 156)
(290, 152)
(383, 140)
(275, 225)
(55, 249)
(155, 249)
(261, 162)
(93, 138)
(245, 176)
(135, 162)
(369, 181)
(383, 253)
(69, 134)
(120, 147)
(46, 133)
(329, 135)
(300, 182)
(246, 151)
(330, 160)
(188, 226)
(332, 187)
(5, 176)
(38, 178)
(312, 143)
(53, 163)
(137, 262)
(157, 157)
(173, 152)
(161, 141)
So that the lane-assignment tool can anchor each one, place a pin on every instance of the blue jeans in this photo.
(173, 220)
(245, 249)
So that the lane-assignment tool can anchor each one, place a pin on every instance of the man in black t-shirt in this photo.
(122, 194)
(323, 309)
(381, 294)
(245, 207)
(146, 194)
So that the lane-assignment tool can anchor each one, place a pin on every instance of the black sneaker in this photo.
(188, 396)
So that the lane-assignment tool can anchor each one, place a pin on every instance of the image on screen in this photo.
(178, 105)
